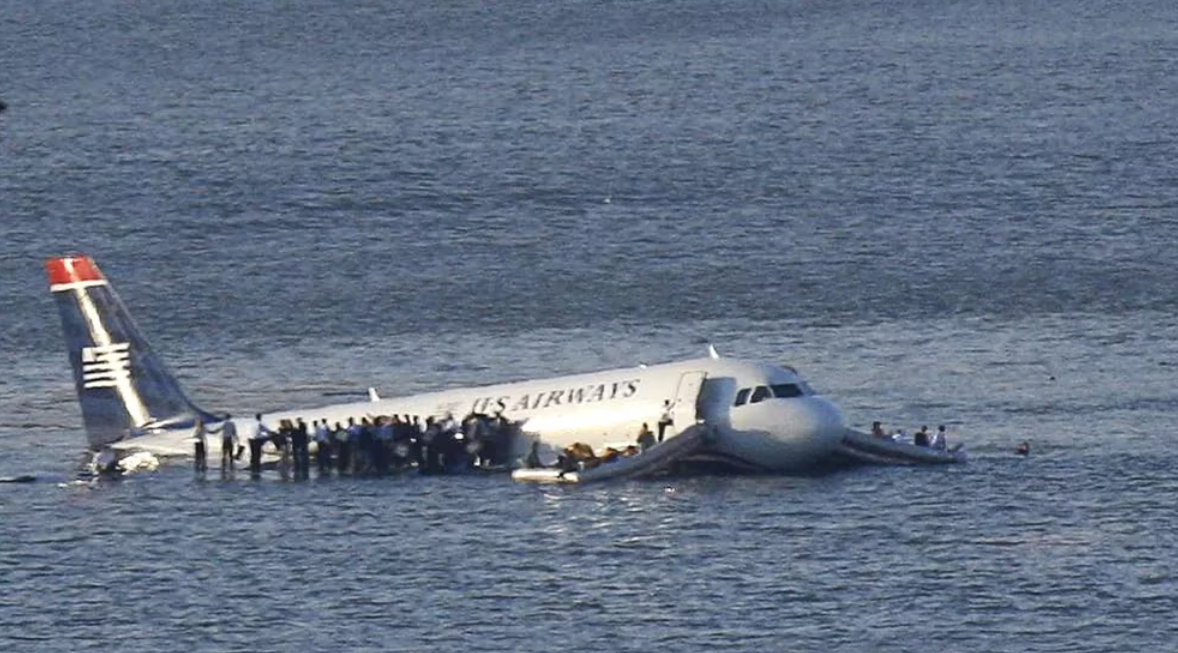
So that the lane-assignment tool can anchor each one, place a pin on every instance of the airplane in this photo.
(765, 417)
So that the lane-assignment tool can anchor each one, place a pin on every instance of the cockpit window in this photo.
(760, 394)
(742, 397)
(786, 391)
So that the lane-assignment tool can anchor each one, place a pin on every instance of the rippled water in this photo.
(941, 213)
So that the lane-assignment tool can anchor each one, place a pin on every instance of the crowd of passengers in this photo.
(384, 444)
(377, 446)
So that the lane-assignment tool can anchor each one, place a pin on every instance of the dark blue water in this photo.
(956, 213)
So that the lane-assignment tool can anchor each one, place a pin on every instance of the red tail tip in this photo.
(72, 269)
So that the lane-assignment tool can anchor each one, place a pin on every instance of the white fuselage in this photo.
(609, 408)
(764, 416)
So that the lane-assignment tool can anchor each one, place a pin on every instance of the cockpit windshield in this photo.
(763, 392)
(786, 391)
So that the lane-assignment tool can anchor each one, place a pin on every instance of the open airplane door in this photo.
(685, 409)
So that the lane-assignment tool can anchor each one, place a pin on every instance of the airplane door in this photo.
(685, 410)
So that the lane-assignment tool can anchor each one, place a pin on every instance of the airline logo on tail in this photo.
(106, 366)
(123, 386)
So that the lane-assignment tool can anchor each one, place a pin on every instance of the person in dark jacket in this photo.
(300, 441)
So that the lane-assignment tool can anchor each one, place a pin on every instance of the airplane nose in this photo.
(822, 419)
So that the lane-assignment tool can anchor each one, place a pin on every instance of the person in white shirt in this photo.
(258, 435)
(939, 438)
(229, 442)
(666, 419)
(322, 446)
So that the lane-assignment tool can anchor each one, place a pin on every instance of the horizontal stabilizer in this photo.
(166, 443)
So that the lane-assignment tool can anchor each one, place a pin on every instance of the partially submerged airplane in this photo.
(763, 417)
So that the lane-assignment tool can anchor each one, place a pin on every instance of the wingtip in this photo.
(74, 268)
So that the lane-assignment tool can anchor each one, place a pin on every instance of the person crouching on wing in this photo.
(585, 456)
(567, 460)
(645, 437)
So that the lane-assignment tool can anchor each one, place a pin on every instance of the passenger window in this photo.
(743, 396)
(760, 394)
(786, 391)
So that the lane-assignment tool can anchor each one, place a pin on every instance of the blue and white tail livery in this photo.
(123, 386)
(764, 417)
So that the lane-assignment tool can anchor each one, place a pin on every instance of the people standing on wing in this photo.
(533, 459)
(416, 433)
(300, 440)
(401, 441)
(939, 438)
(645, 437)
(382, 435)
(471, 438)
(369, 444)
(920, 438)
(493, 441)
(500, 440)
(355, 447)
(666, 419)
(322, 436)
(343, 449)
(390, 430)
(201, 439)
(257, 439)
(429, 446)
(229, 442)
(444, 444)
(282, 440)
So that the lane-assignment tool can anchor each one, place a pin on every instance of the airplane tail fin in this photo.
(123, 386)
